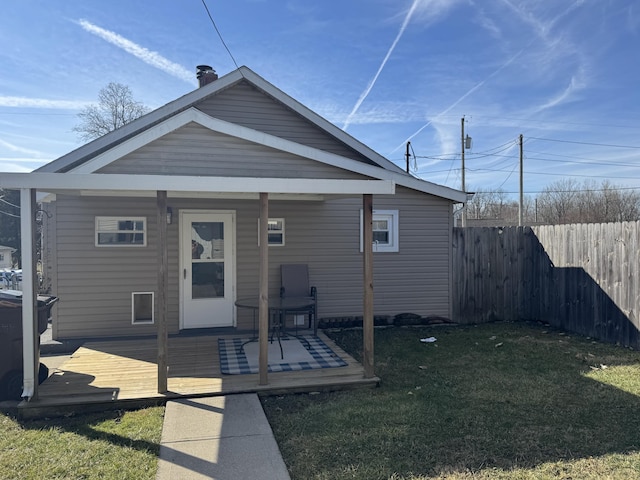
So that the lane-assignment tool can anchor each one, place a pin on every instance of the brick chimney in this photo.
(205, 74)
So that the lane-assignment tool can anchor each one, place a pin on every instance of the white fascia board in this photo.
(267, 140)
(456, 196)
(143, 138)
(135, 183)
(231, 129)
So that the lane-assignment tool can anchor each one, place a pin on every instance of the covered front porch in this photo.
(174, 366)
(124, 372)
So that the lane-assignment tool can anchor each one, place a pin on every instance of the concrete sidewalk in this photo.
(221, 438)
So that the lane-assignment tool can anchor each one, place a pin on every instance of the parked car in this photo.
(11, 279)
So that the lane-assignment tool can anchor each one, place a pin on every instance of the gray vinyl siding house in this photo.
(235, 127)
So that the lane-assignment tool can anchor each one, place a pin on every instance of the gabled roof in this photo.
(107, 148)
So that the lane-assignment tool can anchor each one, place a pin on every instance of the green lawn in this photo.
(497, 401)
(111, 445)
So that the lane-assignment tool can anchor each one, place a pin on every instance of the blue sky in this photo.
(564, 74)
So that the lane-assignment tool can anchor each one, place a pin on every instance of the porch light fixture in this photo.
(169, 215)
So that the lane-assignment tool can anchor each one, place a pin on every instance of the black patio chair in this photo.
(294, 283)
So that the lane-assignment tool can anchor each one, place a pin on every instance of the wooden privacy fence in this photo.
(582, 278)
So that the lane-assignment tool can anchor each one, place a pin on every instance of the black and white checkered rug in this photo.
(235, 359)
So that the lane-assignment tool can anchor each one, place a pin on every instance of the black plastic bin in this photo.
(11, 367)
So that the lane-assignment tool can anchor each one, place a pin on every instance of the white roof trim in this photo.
(261, 138)
(194, 115)
(182, 104)
(135, 183)
(198, 95)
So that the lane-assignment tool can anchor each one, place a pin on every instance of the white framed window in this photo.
(275, 232)
(121, 232)
(141, 308)
(385, 231)
(1, 257)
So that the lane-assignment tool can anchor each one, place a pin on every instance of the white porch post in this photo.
(30, 334)
(367, 317)
(263, 305)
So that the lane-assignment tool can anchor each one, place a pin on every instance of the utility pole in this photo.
(464, 207)
(407, 155)
(521, 204)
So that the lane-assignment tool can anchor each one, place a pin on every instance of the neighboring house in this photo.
(215, 150)
(6, 258)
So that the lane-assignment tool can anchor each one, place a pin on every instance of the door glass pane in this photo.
(207, 259)
(207, 240)
(207, 280)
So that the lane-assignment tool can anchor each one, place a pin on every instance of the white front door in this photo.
(207, 243)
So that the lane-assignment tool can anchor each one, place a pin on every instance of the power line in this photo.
(499, 148)
(604, 164)
(584, 143)
(11, 204)
(486, 153)
(582, 190)
(585, 161)
(604, 177)
(509, 176)
(560, 155)
(496, 150)
(219, 34)
(9, 214)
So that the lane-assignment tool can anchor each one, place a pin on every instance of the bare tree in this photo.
(556, 203)
(620, 205)
(487, 204)
(567, 201)
(564, 201)
(116, 107)
(10, 221)
(497, 206)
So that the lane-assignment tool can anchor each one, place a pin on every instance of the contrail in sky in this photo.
(473, 89)
(17, 149)
(152, 58)
(364, 94)
(6, 101)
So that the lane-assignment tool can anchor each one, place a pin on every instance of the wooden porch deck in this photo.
(112, 374)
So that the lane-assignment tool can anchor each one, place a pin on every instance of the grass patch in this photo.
(497, 401)
(92, 446)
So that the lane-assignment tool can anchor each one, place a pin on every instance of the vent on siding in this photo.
(141, 308)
